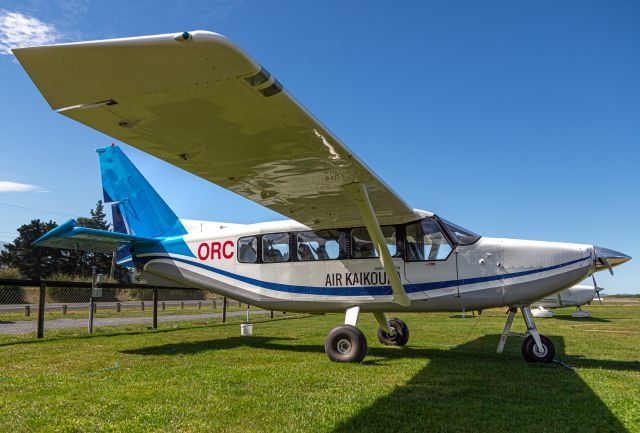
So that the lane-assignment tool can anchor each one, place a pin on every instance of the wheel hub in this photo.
(344, 346)
(541, 351)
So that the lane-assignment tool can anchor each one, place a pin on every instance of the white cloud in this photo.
(18, 30)
(8, 186)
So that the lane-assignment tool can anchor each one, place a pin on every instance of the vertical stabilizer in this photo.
(137, 208)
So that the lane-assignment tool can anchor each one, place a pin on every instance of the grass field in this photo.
(203, 377)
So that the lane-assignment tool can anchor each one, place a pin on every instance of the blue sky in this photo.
(516, 119)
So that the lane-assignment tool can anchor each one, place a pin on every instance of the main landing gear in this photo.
(535, 347)
(346, 343)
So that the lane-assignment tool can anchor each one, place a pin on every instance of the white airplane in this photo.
(352, 244)
(575, 296)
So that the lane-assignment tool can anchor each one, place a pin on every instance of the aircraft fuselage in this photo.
(490, 272)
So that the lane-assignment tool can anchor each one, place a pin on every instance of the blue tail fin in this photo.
(137, 208)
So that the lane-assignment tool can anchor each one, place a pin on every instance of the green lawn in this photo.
(204, 377)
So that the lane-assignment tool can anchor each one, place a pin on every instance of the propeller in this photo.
(605, 262)
(596, 288)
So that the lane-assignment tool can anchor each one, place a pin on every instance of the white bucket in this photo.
(246, 329)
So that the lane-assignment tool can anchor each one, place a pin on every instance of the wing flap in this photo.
(69, 236)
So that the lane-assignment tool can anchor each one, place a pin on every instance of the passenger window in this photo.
(425, 241)
(248, 250)
(362, 246)
(275, 248)
(321, 245)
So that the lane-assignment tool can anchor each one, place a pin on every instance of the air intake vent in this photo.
(259, 78)
(273, 89)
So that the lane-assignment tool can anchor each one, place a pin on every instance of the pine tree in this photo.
(87, 260)
(32, 262)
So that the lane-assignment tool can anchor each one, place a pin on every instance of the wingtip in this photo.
(61, 229)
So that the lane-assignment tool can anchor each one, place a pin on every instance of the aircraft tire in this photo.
(401, 336)
(346, 343)
(531, 353)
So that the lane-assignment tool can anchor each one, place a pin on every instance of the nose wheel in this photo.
(532, 353)
(535, 347)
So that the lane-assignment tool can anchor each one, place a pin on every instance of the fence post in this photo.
(214, 304)
(92, 310)
(27, 310)
(64, 309)
(141, 305)
(224, 309)
(271, 314)
(155, 308)
(182, 305)
(163, 306)
(199, 305)
(43, 294)
(118, 307)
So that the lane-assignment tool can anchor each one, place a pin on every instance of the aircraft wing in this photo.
(198, 102)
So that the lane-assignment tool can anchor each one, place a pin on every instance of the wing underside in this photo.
(202, 104)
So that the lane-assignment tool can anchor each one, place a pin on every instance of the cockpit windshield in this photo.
(461, 235)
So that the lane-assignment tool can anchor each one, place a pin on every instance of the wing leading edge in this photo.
(199, 102)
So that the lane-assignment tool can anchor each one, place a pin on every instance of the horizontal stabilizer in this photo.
(69, 236)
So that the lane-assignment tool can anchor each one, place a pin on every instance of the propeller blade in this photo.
(596, 288)
(605, 262)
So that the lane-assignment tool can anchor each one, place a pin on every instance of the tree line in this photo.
(42, 262)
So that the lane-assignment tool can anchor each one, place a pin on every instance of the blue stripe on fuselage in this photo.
(363, 290)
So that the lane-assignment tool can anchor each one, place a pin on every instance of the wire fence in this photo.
(31, 309)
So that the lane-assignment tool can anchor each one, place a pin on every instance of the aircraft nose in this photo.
(607, 259)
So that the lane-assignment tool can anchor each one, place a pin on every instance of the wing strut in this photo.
(358, 192)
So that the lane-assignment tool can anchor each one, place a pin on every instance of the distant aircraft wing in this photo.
(199, 102)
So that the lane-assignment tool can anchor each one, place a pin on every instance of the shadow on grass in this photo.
(469, 315)
(467, 388)
(568, 318)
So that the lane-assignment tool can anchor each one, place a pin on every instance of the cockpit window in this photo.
(425, 241)
(461, 235)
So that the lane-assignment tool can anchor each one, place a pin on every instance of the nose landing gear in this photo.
(535, 347)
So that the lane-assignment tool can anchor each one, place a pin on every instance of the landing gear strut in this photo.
(535, 347)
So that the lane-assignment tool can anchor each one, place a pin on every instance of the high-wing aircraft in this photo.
(576, 296)
(352, 244)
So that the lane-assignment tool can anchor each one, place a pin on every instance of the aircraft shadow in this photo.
(568, 318)
(469, 387)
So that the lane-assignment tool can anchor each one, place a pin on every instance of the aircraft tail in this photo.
(137, 208)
